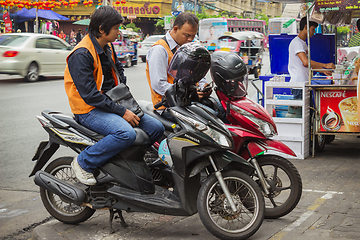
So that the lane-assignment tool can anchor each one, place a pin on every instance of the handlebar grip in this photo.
(159, 104)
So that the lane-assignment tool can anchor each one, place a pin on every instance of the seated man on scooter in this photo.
(88, 76)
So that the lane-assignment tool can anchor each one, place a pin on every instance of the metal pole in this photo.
(36, 30)
(195, 7)
(308, 41)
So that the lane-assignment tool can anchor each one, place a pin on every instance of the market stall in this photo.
(336, 103)
(333, 100)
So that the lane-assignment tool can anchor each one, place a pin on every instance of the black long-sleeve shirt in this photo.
(81, 68)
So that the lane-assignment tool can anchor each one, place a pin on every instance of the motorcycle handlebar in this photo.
(159, 104)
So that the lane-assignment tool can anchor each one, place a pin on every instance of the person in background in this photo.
(71, 35)
(161, 53)
(78, 36)
(355, 39)
(62, 35)
(298, 60)
(88, 76)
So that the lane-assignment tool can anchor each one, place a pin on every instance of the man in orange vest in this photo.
(161, 53)
(88, 76)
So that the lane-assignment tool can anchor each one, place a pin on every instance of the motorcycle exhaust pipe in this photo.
(62, 189)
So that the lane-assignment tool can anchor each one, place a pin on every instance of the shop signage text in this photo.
(336, 5)
(146, 9)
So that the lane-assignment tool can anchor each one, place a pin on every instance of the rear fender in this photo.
(263, 145)
(44, 152)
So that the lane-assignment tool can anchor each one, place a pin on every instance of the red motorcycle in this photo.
(251, 127)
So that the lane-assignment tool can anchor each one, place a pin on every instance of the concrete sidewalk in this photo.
(329, 208)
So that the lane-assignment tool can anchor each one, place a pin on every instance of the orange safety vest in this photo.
(155, 97)
(77, 104)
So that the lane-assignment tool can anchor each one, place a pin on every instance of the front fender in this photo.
(223, 159)
(263, 145)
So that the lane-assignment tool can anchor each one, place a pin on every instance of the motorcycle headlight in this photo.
(212, 133)
(194, 123)
(218, 137)
(264, 127)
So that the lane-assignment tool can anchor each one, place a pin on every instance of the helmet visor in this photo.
(186, 70)
(236, 87)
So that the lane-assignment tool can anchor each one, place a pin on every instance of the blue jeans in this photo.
(119, 134)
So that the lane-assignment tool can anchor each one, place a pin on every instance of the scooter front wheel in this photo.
(285, 185)
(216, 213)
(59, 208)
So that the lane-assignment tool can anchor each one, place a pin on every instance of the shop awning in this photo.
(25, 15)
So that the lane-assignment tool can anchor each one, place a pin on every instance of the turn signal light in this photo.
(10, 53)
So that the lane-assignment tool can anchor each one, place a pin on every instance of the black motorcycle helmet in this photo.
(229, 73)
(189, 64)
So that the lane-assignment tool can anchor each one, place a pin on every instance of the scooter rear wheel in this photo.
(59, 208)
(216, 213)
(285, 185)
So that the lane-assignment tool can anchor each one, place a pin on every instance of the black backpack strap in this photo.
(174, 50)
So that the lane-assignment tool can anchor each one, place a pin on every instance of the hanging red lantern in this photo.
(123, 2)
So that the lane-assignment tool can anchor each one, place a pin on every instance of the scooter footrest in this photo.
(161, 198)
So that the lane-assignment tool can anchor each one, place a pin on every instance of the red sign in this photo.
(8, 27)
(6, 17)
(338, 111)
(336, 5)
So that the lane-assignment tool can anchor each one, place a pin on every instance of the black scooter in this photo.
(229, 202)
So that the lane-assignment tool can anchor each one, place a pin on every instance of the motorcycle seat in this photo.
(148, 108)
(141, 137)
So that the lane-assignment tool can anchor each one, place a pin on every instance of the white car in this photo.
(32, 55)
(145, 45)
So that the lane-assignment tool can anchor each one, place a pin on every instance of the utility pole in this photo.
(254, 8)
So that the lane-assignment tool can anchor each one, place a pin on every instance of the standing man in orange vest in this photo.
(160, 54)
(88, 76)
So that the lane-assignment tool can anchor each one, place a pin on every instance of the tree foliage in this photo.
(343, 30)
(262, 16)
(133, 26)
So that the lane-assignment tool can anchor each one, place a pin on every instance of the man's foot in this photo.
(82, 175)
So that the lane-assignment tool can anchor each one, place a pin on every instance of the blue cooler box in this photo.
(322, 50)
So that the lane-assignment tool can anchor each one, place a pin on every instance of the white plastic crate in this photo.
(294, 132)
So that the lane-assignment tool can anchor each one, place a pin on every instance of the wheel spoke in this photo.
(275, 172)
(273, 201)
(282, 188)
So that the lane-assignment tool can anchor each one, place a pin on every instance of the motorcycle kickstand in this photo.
(120, 216)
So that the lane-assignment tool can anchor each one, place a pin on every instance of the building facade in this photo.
(145, 13)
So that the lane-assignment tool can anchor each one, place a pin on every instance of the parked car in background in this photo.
(33, 55)
(145, 45)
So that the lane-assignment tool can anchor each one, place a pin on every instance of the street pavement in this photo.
(329, 208)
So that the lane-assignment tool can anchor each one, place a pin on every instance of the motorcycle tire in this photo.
(216, 214)
(59, 208)
(285, 185)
